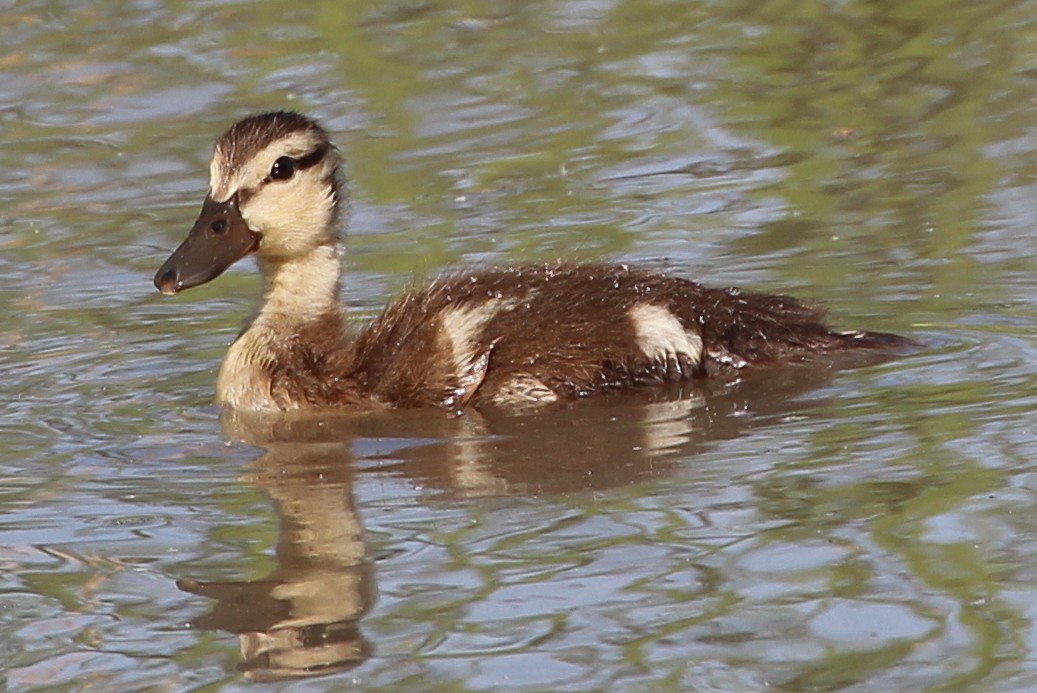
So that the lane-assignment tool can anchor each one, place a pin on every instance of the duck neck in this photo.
(300, 290)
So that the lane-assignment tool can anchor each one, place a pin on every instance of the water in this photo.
(867, 529)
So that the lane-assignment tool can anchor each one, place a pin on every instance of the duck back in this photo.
(541, 334)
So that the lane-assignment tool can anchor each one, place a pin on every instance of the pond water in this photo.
(865, 529)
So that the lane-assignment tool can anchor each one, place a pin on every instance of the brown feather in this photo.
(565, 326)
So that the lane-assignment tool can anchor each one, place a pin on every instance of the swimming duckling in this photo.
(514, 336)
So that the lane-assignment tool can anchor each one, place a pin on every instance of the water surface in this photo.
(866, 529)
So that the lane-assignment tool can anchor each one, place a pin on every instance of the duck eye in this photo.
(283, 168)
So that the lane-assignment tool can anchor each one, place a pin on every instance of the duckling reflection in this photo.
(592, 446)
(303, 620)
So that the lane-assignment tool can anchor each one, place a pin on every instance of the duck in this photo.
(513, 336)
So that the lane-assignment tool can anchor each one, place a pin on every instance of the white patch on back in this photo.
(662, 337)
(462, 326)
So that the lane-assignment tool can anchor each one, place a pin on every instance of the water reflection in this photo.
(303, 619)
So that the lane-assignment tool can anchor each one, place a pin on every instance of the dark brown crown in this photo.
(248, 136)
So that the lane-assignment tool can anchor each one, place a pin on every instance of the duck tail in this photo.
(879, 341)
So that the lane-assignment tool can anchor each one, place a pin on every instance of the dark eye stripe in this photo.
(311, 159)
(304, 162)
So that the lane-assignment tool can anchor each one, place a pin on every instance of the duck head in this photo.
(273, 191)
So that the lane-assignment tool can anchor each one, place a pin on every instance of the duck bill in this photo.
(218, 239)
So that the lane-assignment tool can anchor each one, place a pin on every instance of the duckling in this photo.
(514, 336)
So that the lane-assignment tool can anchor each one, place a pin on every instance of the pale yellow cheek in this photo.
(293, 219)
